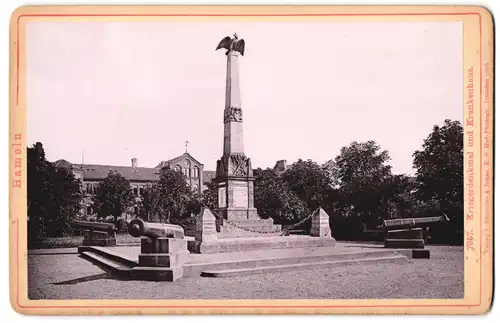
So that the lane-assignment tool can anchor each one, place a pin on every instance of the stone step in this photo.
(252, 221)
(260, 226)
(244, 234)
(258, 231)
(108, 254)
(260, 242)
(106, 263)
(195, 269)
(228, 226)
(301, 266)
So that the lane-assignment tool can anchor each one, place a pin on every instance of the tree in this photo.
(310, 182)
(439, 168)
(275, 199)
(362, 177)
(397, 197)
(150, 204)
(54, 197)
(66, 204)
(172, 201)
(210, 195)
(114, 197)
(39, 193)
(175, 194)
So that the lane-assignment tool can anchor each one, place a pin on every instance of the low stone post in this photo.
(206, 232)
(320, 224)
(205, 226)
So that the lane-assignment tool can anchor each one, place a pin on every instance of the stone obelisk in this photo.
(234, 169)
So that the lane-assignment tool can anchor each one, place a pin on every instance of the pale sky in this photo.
(118, 90)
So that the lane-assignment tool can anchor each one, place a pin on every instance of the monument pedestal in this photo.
(99, 238)
(405, 238)
(161, 259)
(237, 216)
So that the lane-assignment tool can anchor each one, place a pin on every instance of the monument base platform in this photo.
(258, 243)
(156, 273)
(123, 260)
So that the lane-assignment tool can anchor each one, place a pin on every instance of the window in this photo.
(196, 171)
(91, 188)
(89, 209)
(185, 171)
(135, 191)
(178, 168)
(141, 190)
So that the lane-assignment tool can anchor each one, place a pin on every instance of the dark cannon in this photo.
(97, 233)
(409, 232)
(163, 250)
(138, 227)
(408, 223)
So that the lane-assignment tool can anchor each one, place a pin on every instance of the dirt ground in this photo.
(50, 276)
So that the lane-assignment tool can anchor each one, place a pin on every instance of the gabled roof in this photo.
(99, 172)
(133, 174)
(176, 159)
(62, 163)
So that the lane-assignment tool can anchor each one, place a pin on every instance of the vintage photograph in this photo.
(258, 160)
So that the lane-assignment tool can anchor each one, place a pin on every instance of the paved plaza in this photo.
(61, 274)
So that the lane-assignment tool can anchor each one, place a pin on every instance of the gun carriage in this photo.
(409, 232)
(97, 233)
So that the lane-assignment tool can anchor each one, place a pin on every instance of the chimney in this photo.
(280, 166)
(134, 162)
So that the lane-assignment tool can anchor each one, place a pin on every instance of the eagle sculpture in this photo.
(232, 45)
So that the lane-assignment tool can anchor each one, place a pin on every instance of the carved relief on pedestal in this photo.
(238, 165)
(234, 165)
(233, 114)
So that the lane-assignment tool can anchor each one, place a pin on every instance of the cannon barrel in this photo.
(97, 226)
(138, 227)
(413, 222)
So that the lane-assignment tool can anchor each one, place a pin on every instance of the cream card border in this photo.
(478, 180)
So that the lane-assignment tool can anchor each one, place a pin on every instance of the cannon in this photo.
(163, 250)
(409, 232)
(408, 223)
(138, 227)
(97, 233)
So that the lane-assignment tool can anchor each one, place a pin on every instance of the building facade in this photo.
(91, 175)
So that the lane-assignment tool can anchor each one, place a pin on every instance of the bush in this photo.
(121, 226)
(346, 228)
